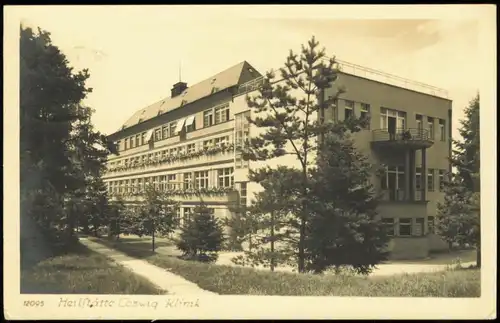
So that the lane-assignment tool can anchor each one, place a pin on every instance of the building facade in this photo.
(186, 145)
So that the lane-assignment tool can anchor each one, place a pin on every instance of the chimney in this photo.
(178, 88)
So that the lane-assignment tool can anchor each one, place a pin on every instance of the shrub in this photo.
(201, 236)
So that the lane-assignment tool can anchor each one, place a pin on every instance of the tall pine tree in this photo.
(289, 122)
(459, 218)
(61, 153)
(275, 237)
(344, 230)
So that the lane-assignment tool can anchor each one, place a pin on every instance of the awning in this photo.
(189, 121)
(180, 124)
(149, 135)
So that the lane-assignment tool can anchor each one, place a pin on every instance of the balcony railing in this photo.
(401, 134)
(399, 195)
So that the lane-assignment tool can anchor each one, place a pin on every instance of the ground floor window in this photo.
(405, 227)
(430, 225)
(420, 228)
(389, 226)
(187, 212)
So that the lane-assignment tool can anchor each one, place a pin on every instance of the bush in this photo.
(201, 236)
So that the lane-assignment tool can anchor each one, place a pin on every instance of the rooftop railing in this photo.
(376, 75)
(366, 72)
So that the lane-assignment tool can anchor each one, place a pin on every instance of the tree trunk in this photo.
(301, 245)
(272, 242)
(478, 256)
(153, 235)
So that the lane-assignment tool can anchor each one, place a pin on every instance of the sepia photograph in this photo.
(170, 158)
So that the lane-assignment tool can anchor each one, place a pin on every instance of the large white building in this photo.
(186, 144)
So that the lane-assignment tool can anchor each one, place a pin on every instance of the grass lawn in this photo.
(228, 280)
(442, 258)
(83, 271)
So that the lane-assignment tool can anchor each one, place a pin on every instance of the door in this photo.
(401, 186)
(392, 186)
(391, 127)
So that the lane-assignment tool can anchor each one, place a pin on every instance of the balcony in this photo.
(398, 195)
(184, 160)
(413, 138)
(210, 195)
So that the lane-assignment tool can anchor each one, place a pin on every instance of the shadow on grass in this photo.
(83, 272)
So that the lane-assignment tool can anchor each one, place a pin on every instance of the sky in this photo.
(134, 53)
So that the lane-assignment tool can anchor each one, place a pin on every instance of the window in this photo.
(389, 226)
(335, 110)
(242, 136)
(171, 182)
(405, 227)
(165, 131)
(211, 211)
(163, 183)
(221, 141)
(441, 179)
(207, 144)
(430, 125)
(418, 179)
(420, 125)
(393, 183)
(442, 130)
(191, 148)
(222, 114)
(140, 184)
(201, 179)
(137, 140)
(181, 150)
(243, 194)
(172, 126)
(177, 216)
(134, 185)
(126, 144)
(430, 179)
(118, 143)
(157, 134)
(365, 113)
(143, 138)
(225, 177)
(188, 181)
(335, 104)
(431, 227)
(399, 116)
(132, 142)
(208, 118)
(348, 110)
(156, 182)
(190, 124)
(188, 211)
(173, 151)
(163, 154)
(420, 227)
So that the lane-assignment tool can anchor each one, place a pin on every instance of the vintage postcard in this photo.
(255, 162)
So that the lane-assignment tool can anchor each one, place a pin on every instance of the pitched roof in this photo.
(221, 81)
